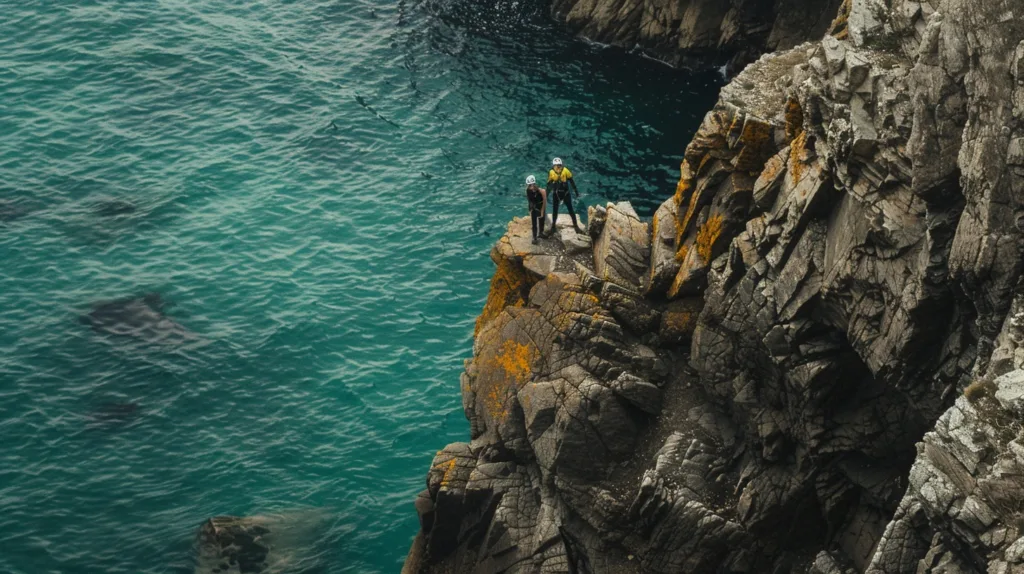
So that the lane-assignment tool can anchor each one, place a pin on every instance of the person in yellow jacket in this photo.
(559, 180)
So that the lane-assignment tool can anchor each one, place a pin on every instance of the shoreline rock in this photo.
(743, 384)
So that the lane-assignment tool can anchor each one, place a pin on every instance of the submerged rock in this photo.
(233, 545)
(140, 318)
(266, 544)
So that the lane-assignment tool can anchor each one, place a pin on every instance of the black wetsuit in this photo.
(536, 199)
(558, 190)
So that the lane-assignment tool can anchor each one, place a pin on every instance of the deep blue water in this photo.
(313, 188)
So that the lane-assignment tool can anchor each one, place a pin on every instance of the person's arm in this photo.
(543, 201)
(575, 189)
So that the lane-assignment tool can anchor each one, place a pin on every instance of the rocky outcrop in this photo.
(963, 506)
(743, 387)
(700, 32)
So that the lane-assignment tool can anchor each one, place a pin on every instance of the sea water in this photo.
(313, 188)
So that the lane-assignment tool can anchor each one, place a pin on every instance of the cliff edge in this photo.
(699, 33)
(809, 361)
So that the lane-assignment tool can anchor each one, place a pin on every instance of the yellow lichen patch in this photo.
(510, 287)
(680, 319)
(510, 369)
(447, 476)
(707, 235)
(796, 167)
(682, 197)
(756, 140)
(681, 254)
(794, 119)
(703, 163)
(840, 26)
(685, 221)
(494, 400)
(771, 170)
(683, 188)
(517, 361)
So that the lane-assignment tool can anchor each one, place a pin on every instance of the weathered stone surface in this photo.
(699, 32)
(664, 265)
(622, 251)
(961, 509)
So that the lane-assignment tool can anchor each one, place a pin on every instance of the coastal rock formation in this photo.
(233, 544)
(262, 544)
(744, 384)
(963, 507)
(700, 32)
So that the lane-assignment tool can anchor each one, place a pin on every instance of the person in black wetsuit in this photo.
(559, 180)
(537, 199)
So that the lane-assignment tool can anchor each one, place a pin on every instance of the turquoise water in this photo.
(313, 188)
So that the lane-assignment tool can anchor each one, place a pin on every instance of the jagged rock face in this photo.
(963, 507)
(740, 388)
(699, 32)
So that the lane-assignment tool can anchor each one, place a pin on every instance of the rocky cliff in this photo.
(809, 361)
(701, 32)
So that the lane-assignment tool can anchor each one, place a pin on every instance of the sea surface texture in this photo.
(312, 189)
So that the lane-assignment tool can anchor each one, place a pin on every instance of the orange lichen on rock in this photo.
(706, 237)
(679, 320)
(684, 223)
(794, 119)
(510, 287)
(685, 183)
(517, 361)
(510, 368)
(840, 27)
(447, 476)
(757, 145)
(771, 170)
(795, 165)
(681, 254)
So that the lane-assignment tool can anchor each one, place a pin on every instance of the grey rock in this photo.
(698, 32)
(622, 251)
(1010, 391)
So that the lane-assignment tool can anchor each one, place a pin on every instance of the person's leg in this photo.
(554, 211)
(572, 213)
(541, 216)
(533, 224)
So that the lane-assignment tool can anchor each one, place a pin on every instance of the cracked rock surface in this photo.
(700, 32)
(810, 360)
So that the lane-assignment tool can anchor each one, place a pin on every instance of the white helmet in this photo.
(530, 180)
(556, 161)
